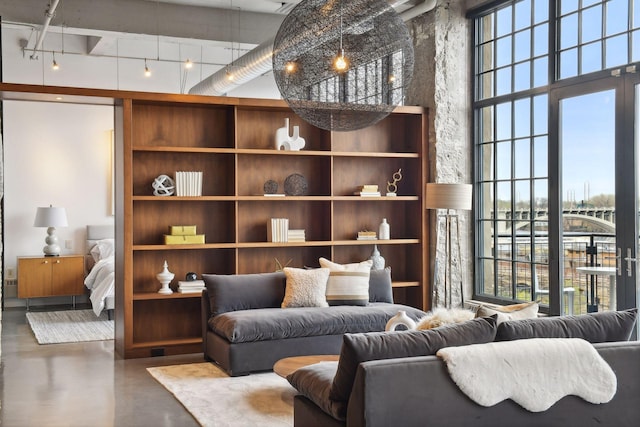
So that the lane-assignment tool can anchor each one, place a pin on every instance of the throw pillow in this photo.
(232, 292)
(444, 316)
(605, 326)
(348, 283)
(358, 348)
(305, 288)
(527, 310)
(380, 286)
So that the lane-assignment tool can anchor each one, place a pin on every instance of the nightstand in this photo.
(49, 276)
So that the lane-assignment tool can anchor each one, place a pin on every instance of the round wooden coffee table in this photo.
(288, 365)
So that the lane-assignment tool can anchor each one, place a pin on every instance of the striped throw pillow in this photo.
(348, 284)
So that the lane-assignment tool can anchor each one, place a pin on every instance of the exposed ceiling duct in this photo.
(259, 60)
(50, 12)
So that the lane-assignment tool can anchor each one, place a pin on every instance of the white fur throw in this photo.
(443, 316)
(534, 373)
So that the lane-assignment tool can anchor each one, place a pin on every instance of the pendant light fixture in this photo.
(343, 65)
(54, 64)
(340, 64)
(147, 71)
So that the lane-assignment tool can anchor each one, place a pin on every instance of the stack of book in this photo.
(296, 235)
(368, 190)
(367, 235)
(183, 234)
(190, 287)
(189, 184)
(278, 230)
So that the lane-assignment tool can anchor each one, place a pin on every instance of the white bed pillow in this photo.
(103, 249)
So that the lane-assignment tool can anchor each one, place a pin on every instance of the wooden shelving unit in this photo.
(232, 141)
(233, 145)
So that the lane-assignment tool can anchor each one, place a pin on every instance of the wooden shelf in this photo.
(144, 296)
(405, 284)
(164, 343)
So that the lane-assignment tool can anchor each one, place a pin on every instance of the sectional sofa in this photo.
(395, 378)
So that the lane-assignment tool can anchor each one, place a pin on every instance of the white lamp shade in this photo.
(448, 196)
(51, 217)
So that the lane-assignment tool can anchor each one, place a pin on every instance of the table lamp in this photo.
(449, 197)
(51, 218)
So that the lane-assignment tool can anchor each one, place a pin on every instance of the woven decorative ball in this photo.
(295, 185)
(163, 185)
(270, 187)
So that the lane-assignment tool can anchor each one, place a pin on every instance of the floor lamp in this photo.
(450, 197)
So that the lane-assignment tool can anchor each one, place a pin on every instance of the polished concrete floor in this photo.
(80, 384)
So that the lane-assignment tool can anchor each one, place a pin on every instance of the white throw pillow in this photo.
(348, 283)
(305, 287)
(527, 310)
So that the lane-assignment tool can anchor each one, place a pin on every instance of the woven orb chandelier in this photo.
(343, 65)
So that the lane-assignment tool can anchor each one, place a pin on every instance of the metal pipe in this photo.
(424, 7)
(48, 16)
(259, 60)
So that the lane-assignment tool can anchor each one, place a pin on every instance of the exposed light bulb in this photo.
(392, 78)
(341, 64)
(290, 67)
(188, 64)
(147, 71)
(230, 76)
(54, 65)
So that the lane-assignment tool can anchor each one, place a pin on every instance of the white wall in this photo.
(57, 154)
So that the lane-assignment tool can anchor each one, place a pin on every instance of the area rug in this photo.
(54, 327)
(217, 400)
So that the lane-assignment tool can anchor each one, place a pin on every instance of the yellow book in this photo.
(182, 230)
(181, 240)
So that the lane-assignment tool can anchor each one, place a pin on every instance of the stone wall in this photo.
(442, 84)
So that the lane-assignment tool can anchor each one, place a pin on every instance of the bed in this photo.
(100, 266)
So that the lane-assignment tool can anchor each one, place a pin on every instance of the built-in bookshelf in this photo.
(234, 145)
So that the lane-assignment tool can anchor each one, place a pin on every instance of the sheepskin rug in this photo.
(443, 316)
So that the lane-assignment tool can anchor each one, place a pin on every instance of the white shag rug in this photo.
(217, 400)
(55, 327)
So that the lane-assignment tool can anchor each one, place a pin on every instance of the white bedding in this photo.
(101, 281)
(100, 262)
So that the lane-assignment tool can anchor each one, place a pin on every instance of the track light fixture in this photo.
(147, 71)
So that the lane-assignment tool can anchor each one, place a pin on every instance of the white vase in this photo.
(165, 277)
(400, 319)
(378, 260)
(383, 231)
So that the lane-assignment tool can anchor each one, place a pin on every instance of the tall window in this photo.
(525, 53)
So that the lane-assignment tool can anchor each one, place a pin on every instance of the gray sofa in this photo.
(395, 380)
(245, 329)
